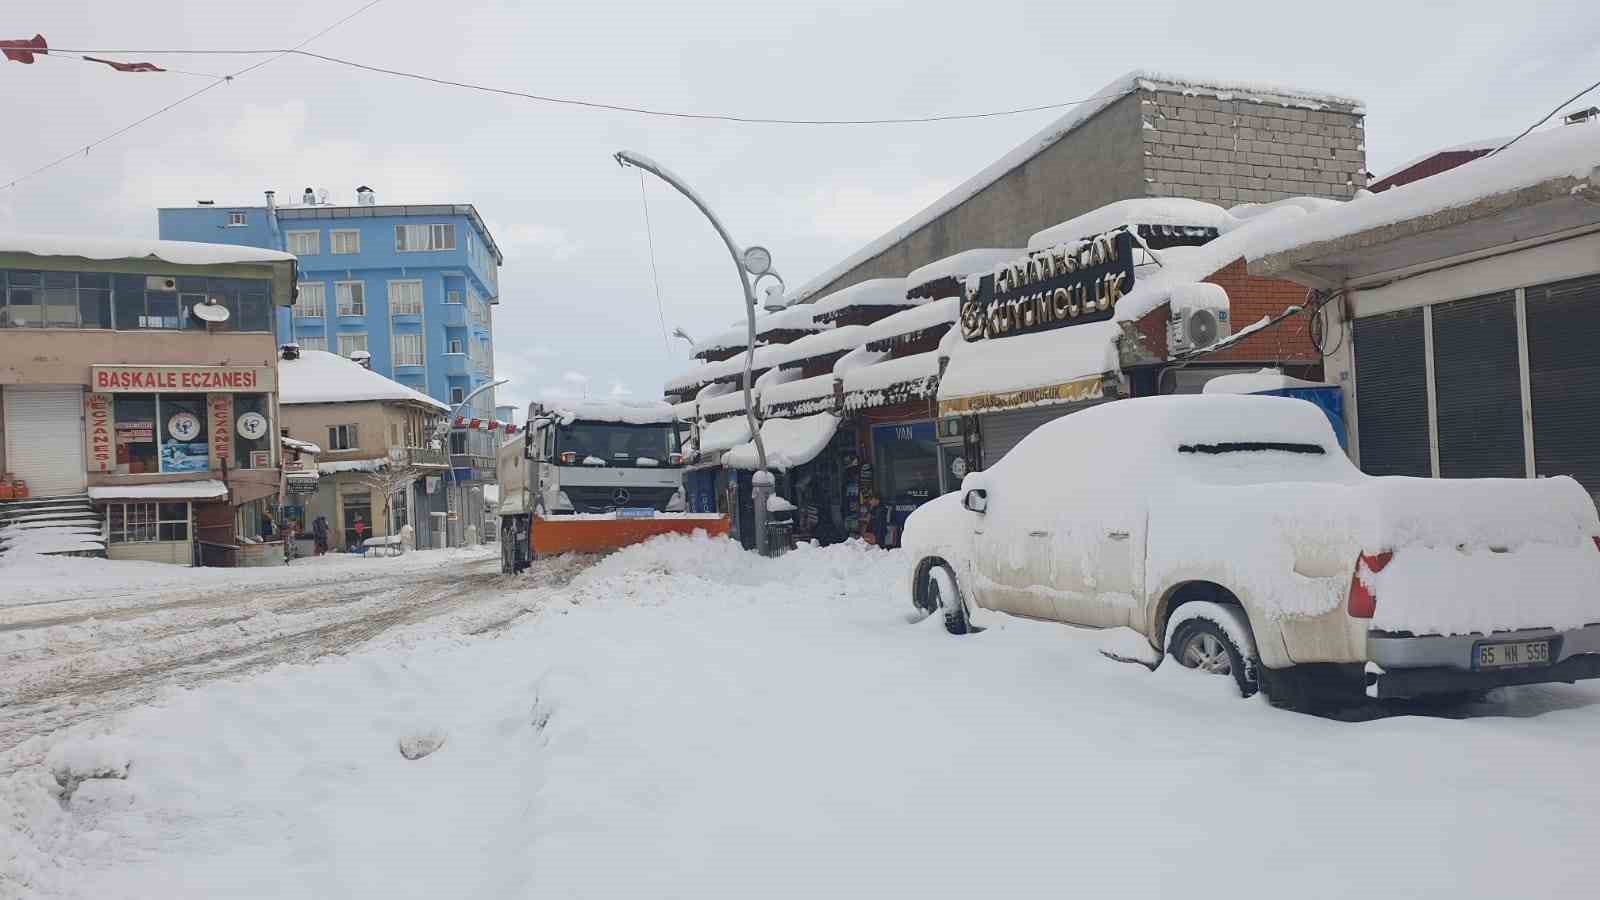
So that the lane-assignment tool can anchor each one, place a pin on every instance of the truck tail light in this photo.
(1363, 601)
(569, 458)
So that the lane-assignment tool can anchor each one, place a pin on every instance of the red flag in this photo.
(22, 51)
(127, 67)
(461, 421)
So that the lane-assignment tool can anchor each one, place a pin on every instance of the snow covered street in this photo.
(686, 719)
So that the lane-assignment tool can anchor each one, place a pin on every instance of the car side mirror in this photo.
(976, 500)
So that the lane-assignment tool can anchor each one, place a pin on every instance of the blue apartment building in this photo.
(412, 286)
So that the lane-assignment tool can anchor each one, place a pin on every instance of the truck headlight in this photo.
(563, 501)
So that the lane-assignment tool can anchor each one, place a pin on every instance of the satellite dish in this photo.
(210, 312)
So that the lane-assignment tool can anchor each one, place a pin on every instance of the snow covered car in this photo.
(1233, 533)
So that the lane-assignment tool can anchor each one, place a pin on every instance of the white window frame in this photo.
(304, 307)
(345, 296)
(407, 355)
(149, 526)
(238, 220)
(424, 238)
(457, 394)
(396, 308)
(351, 233)
(348, 339)
(348, 435)
(313, 342)
(289, 238)
(457, 347)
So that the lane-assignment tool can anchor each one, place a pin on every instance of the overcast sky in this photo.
(578, 312)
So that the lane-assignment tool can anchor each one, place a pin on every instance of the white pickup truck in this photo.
(1233, 534)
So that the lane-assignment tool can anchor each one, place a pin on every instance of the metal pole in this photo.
(449, 467)
(761, 481)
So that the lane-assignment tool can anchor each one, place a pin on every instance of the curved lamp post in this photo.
(757, 261)
(443, 433)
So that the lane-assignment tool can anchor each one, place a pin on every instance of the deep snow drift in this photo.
(688, 720)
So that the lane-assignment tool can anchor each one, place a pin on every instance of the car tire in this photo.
(938, 582)
(1205, 645)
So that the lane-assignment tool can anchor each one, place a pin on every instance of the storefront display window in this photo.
(135, 430)
(142, 523)
(182, 428)
(906, 460)
(252, 432)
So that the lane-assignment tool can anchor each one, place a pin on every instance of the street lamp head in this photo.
(757, 261)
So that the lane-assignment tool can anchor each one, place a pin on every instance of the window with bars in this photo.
(303, 243)
(350, 343)
(405, 298)
(408, 349)
(352, 297)
(416, 238)
(343, 437)
(146, 523)
(312, 303)
(312, 343)
(345, 241)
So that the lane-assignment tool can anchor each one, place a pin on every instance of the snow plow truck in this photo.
(591, 477)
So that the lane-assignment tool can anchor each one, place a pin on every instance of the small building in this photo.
(138, 389)
(382, 464)
(1459, 315)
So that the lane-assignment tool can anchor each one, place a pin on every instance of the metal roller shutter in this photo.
(1392, 395)
(1477, 388)
(44, 438)
(1002, 431)
(1564, 379)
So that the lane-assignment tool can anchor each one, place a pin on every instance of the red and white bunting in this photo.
(463, 423)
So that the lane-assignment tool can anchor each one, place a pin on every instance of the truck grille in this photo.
(598, 499)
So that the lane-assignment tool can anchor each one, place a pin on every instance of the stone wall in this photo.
(1239, 151)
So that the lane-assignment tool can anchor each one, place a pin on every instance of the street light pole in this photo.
(761, 482)
(443, 433)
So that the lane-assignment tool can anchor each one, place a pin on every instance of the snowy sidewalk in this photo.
(687, 720)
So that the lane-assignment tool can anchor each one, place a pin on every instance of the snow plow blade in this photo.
(602, 534)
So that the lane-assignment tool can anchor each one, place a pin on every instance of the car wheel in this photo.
(940, 592)
(1203, 644)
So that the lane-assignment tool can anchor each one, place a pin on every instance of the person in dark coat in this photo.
(319, 534)
(878, 521)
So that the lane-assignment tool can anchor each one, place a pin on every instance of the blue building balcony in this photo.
(457, 364)
(455, 315)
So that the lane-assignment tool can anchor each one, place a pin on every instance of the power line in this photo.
(1546, 118)
(184, 99)
(620, 107)
(661, 310)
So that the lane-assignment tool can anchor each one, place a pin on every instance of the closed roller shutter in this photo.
(1002, 431)
(1564, 379)
(1392, 395)
(1477, 388)
(44, 438)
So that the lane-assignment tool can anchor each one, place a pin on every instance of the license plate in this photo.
(1518, 653)
(636, 512)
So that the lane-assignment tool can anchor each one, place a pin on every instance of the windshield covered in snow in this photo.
(616, 444)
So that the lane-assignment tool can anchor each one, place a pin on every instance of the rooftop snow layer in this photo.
(731, 402)
(1143, 211)
(823, 343)
(917, 318)
(627, 412)
(181, 253)
(960, 265)
(322, 377)
(724, 433)
(1571, 151)
(1480, 145)
(204, 489)
(865, 387)
(817, 387)
(1060, 128)
(800, 317)
(788, 442)
(1030, 360)
(1255, 382)
(872, 292)
(1154, 285)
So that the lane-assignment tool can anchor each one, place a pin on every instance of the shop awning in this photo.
(892, 381)
(1064, 365)
(724, 433)
(290, 443)
(789, 442)
(804, 397)
(207, 489)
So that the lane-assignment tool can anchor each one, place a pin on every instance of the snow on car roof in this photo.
(318, 376)
(183, 253)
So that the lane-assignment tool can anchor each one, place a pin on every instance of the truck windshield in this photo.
(616, 444)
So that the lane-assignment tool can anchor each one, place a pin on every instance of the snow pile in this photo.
(788, 442)
(722, 434)
(872, 292)
(366, 466)
(200, 489)
(776, 504)
(318, 376)
(1310, 204)
(685, 411)
(823, 343)
(958, 266)
(1268, 379)
(1030, 360)
(892, 381)
(183, 253)
(1566, 152)
(910, 321)
(1170, 211)
(17, 543)
(815, 391)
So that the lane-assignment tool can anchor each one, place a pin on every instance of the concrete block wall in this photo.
(1243, 151)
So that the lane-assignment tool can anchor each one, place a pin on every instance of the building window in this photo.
(252, 453)
(32, 299)
(161, 433)
(458, 442)
(408, 349)
(350, 343)
(452, 296)
(236, 220)
(144, 523)
(312, 343)
(414, 238)
(313, 300)
(303, 243)
(352, 297)
(405, 298)
(455, 345)
(457, 395)
(343, 241)
(343, 437)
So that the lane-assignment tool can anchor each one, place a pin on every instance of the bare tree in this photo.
(390, 479)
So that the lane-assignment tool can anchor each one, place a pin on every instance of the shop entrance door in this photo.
(357, 519)
(44, 438)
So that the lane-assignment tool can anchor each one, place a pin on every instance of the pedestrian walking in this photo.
(319, 535)
(878, 522)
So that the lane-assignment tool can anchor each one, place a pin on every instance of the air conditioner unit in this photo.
(1196, 328)
(160, 283)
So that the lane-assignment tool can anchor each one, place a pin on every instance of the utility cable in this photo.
(661, 310)
(1546, 118)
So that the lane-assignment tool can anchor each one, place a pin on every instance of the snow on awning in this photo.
(725, 404)
(1252, 382)
(872, 292)
(1063, 365)
(353, 465)
(823, 343)
(788, 442)
(944, 277)
(903, 380)
(803, 397)
(724, 433)
(207, 489)
(799, 317)
(911, 321)
(307, 447)
(1158, 211)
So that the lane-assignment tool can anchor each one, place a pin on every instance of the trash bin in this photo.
(780, 535)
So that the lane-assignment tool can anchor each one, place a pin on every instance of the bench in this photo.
(389, 545)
